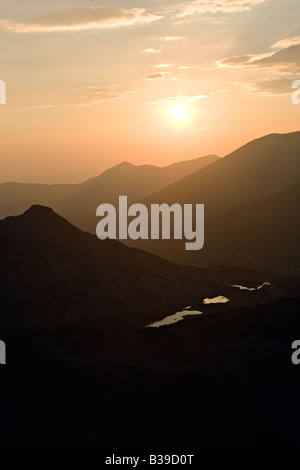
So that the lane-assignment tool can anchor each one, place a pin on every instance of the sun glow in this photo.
(179, 112)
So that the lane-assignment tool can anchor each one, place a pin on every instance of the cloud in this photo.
(92, 95)
(200, 7)
(185, 67)
(283, 43)
(282, 66)
(162, 66)
(156, 76)
(40, 106)
(213, 128)
(80, 96)
(241, 61)
(285, 58)
(289, 57)
(151, 51)
(81, 19)
(186, 98)
(270, 86)
(172, 38)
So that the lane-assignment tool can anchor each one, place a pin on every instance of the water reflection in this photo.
(251, 288)
(216, 300)
(171, 319)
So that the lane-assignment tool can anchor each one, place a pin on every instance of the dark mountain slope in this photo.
(53, 274)
(262, 167)
(262, 234)
(82, 373)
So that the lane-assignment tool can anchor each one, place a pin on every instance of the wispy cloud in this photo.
(243, 61)
(199, 7)
(81, 96)
(179, 98)
(214, 128)
(285, 58)
(40, 106)
(81, 19)
(149, 50)
(185, 67)
(156, 76)
(162, 66)
(93, 94)
(172, 38)
(287, 42)
(289, 57)
(269, 86)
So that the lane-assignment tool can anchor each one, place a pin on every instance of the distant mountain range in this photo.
(251, 202)
(250, 196)
(83, 371)
(77, 201)
(264, 166)
(263, 234)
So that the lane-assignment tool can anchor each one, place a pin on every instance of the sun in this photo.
(179, 112)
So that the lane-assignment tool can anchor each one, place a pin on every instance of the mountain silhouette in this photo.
(57, 275)
(85, 373)
(261, 235)
(251, 204)
(263, 167)
(77, 201)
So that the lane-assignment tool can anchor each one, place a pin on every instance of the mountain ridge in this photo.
(262, 234)
(227, 174)
(74, 277)
(83, 198)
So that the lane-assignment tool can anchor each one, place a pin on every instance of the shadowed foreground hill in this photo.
(83, 373)
(262, 235)
(57, 275)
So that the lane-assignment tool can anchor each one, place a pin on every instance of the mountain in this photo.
(76, 201)
(57, 275)
(84, 373)
(125, 179)
(251, 205)
(262, 235)
(129, 180)
(15, 198)
(262, 167)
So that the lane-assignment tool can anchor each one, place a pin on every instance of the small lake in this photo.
(171, 319)
(251, 289)
(180, 316)
(216, 300)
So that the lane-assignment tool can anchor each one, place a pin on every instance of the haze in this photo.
(88, 87)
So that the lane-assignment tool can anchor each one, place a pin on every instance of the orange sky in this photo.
(88, 87)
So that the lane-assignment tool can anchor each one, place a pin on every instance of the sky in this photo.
(93, 83)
